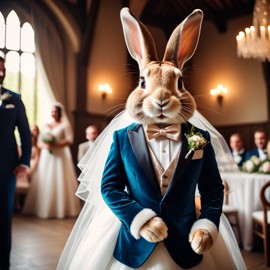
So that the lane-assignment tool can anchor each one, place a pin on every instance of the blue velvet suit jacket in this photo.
(12, 115)
(129, 185)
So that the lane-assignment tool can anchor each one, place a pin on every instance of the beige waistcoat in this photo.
(164, 177)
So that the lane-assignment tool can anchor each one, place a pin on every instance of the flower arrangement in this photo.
(195, 141)
(265, 167)
(255, 165)
(5, 96)
(48, 138)
(251, 165)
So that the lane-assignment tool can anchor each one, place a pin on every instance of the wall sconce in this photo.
(219, 91)
(104, 89)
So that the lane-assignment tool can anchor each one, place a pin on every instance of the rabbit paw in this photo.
(155, 230)
(201, 241)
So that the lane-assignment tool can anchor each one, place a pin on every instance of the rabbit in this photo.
(161, 101)
(161, 97)
(140, 211)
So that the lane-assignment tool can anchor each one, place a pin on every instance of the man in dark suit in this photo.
(237, 148)
(260, 140)
(12, 115)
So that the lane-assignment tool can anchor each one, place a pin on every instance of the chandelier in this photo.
(254, 42)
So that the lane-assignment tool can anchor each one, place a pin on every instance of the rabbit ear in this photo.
(138, 39)
(184, 39)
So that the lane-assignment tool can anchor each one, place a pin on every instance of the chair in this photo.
(228, 210)
(261, 221)
(231, 212)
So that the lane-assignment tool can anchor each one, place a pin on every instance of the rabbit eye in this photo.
(180, 83)
(142, 82)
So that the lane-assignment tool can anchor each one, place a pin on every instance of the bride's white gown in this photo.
(53, 187)
(91, 245)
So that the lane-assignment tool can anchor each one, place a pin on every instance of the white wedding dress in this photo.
(53, 187)
(91, 243)
(94, 251)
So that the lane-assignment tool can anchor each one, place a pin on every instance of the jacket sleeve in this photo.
(114, 191)
(25, 134)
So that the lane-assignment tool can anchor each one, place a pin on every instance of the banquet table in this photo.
(244, 193)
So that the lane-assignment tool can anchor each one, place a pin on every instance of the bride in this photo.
(158, 228)
(52, 189)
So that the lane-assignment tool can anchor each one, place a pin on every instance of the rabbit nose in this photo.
(161, 103)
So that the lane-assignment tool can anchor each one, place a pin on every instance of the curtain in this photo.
(50, 57)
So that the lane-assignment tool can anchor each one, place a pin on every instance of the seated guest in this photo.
(91, 133)
(237, 148)
(260, 140)
(23, 183)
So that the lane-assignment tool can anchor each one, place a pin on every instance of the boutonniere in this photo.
(5, 96)
(195, 141)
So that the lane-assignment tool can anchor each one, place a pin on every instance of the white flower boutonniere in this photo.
(5, 96)
(195, 141)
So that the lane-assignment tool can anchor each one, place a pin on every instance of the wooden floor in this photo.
(38, 243)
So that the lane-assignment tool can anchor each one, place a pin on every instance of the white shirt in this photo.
(164, 149)
(237, 155)
(262, 154)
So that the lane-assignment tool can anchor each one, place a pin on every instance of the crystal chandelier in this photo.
(254, 42)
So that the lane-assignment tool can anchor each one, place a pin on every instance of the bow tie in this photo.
(172, 132)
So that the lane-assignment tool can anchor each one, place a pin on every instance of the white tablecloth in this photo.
(245, 195)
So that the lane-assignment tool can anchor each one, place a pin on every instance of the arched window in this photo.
(19, 45)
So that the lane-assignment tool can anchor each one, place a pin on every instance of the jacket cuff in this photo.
(206, 224)
(139, 220)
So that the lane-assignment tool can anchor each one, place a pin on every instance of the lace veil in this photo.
(65, 121)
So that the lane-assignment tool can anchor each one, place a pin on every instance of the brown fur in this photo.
(159, 100)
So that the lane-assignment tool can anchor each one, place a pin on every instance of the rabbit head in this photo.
(160, 97)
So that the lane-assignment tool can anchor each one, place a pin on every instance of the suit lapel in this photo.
(182, 161)
(140, 149)
(1, 101)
